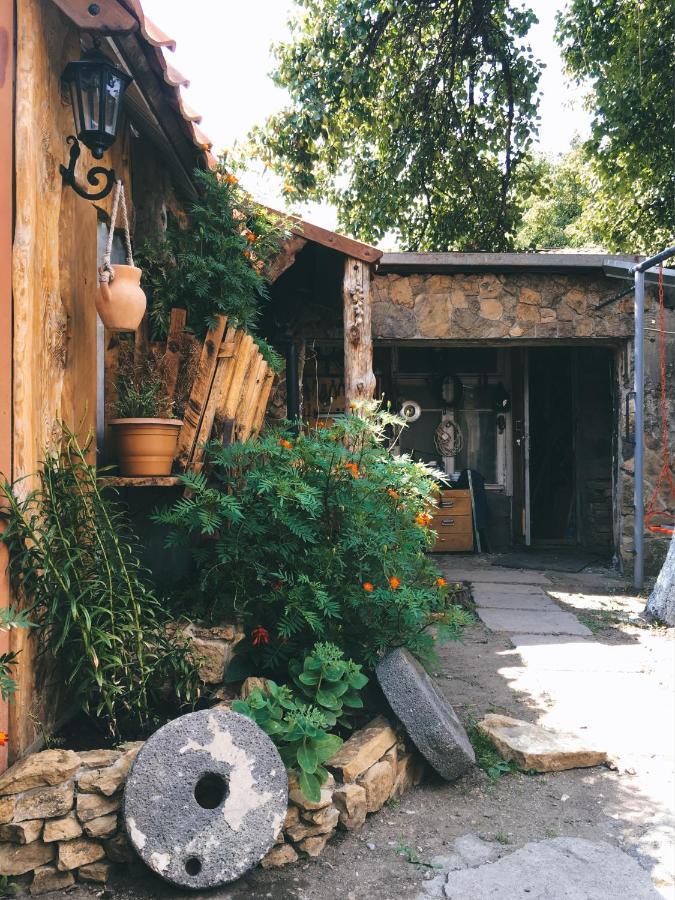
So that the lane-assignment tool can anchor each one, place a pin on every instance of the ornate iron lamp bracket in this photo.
(94, 174)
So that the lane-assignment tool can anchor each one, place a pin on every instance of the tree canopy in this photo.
(412, 116)
(626, 50)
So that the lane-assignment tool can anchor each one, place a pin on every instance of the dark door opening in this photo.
(570, 446)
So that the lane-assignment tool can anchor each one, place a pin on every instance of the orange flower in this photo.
(423, 518)
(286, 444)
(247, 254)
(231, 179)
(250, 236)
(393, 494)
(441, 582)
(4, 738)
(368, 586)
(394, 583)
(352, 468)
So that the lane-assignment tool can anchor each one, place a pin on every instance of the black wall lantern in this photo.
(96, 89)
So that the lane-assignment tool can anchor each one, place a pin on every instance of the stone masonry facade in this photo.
(513, 308)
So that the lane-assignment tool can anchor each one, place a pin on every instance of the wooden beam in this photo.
(250, 404)
(172, 353)
(358, 338)
(263, 400)
(285, 257)
(7, 62)
(146, 481)
(222, 376)
(340, 242)
(109, 17)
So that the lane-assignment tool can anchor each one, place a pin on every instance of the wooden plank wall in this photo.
(54, 284)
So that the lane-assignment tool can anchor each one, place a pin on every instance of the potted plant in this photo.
(145, 430)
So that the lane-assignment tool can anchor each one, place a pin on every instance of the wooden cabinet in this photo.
(453, 522)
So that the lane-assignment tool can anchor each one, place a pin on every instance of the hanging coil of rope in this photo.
(448, 438)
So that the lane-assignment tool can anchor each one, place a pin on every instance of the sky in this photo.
(224, 48)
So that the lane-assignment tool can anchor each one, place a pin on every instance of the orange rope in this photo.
(665, 474)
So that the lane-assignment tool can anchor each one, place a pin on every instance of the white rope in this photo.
(448, 438)
(106, 272)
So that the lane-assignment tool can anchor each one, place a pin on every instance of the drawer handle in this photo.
(447, 521)
(446, 504)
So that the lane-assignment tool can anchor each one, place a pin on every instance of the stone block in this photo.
(279, 856)
(93, 806)
(548, 315)
(363, 749)
(314, 846)
(390, 321)
(539, 749)
(214, 657)
(410, 772)
(98, 872)
(489, 286)
(576, 300)
(102, 827)
(377, 783)
(45, 802)
(516, 331)
(458, 300)
(17, 859)
(64, 829)
(7, 805)
(350, 800)
(79, 852)
(491, 309)
(39, 770)
(430, 721)
(327, 816)
(399, 291)
(48, 878)
(22, 832)
(118, 849)
(527, 313)
(98, 759)
(292, 817)
(432, 314)
(305, 829)
(296, 796)
(529, 296)
(111, 779)
(250, 685)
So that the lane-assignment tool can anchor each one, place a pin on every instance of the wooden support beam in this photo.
(358, 338)
(224, 366)
(172, 353)
(263, 400)
(247, 415)
(248, 394)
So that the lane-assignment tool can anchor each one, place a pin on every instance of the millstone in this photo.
(205, 799)
(430, 721)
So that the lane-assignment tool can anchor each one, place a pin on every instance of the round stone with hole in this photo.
(206, 798)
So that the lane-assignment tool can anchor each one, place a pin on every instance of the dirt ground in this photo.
(631, 807)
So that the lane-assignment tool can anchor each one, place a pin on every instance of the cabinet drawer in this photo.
(447, 542)
(450, 523)
(458, 502)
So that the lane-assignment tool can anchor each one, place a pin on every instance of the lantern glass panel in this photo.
(113, 92)
(90, 81)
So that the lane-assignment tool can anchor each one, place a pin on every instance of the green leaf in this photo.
(310, 786)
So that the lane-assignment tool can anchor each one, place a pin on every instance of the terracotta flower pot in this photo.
(145, 446)
(121, 302)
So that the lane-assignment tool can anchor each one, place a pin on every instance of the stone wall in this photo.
(488, 305)
(60, 810)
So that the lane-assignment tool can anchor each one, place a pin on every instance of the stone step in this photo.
(515, 601)
(524, 621)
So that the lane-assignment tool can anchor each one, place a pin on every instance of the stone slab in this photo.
(363, 749)
(556, 869)
(535, 602)
(206, 798)
(535, 748)
(489, 574)
(532, 622)
(497, 587)
(430, 721)
(567, 653)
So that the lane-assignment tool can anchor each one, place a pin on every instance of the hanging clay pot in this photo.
(120, 302)
(146, 446)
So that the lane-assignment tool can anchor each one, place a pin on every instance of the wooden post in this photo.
(359, 377)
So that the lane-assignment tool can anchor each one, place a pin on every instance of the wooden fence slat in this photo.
(172, 352)
(249, 396)
(225, 364)
(263, 400)
(201, 389)
(230, 402)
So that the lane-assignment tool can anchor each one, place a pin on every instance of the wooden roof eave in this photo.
(332, 239)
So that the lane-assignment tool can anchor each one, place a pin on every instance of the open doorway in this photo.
(570, 430)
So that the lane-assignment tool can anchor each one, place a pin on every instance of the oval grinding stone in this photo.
(428, 718)
(205, 799)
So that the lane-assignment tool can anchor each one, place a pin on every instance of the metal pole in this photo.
(639, 385)
(292, 387)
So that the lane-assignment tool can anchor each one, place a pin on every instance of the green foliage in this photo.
(330, 683)
(299, 730)
(315, 538)
(487, 756)
(556, 211)
(139, 398)
(410, 116)
(212, 264)
(11, 617)
(73, 562)
(625, 52)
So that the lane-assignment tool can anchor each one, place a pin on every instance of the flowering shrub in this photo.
(316, 536)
